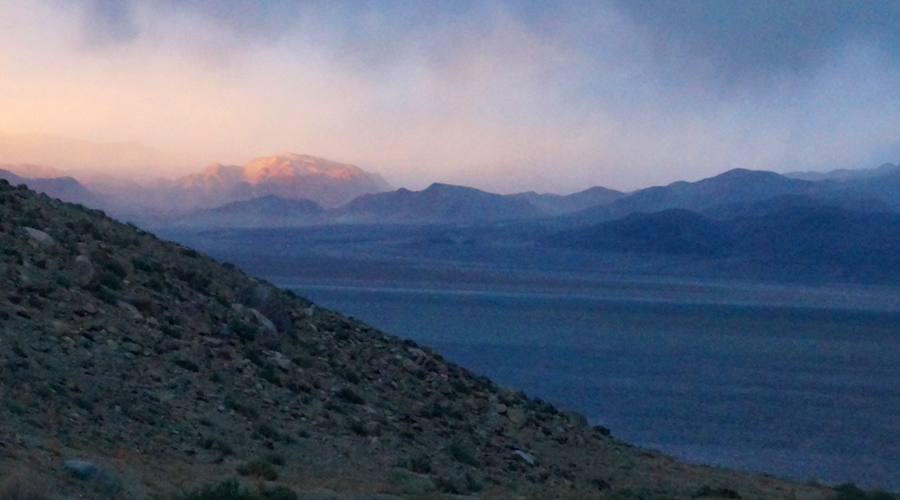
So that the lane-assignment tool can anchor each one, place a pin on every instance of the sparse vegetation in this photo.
(463, 454)
(849, 491)
(261, 468)
(347, 394)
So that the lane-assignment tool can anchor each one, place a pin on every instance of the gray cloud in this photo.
(752, 36)
(108, 22)
(615, 92)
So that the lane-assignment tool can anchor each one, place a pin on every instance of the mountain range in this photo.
(844, 220)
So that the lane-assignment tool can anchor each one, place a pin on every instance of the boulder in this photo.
(82, 270)
(40, 237)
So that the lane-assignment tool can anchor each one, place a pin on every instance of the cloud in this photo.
(508, 95)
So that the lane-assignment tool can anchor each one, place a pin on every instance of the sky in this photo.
(505, 96)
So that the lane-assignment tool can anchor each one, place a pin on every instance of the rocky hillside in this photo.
(133, 368)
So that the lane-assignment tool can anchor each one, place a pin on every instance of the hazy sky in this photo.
(506, 96)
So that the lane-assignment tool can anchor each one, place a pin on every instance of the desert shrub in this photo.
(216, 444)
(106, 295)
(244, 331)
(267, 431)
(722, 492)
(268, 373)
(114, 267)
(463, 454)
(226, 490)
(420, 464)
(600, 484)
(110, 280)
(347, 394)
(255, 356)
(244, 408)
(169, 331)
(849, 491)
(350, 376)
(277, 493)
(262, 469)
(146, 265)
(359, 428)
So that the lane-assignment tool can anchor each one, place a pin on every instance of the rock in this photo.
(409, 365)
(527, 457)
(87, 471)
(82, 469)
(264, 321)
(280, 360)
(132, 347)
(82, 270)
(517, 416)
(40, 237)
(576, 420)
(133, 311)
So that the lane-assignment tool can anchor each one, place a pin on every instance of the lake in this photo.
(811, 393)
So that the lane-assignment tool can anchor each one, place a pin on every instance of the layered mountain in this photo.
(64, 188)
(134, 368)
(797, 241)
(554, 204)
(290, 176)
(328, 183)
(844, 174)
(267, 211)
(748, 192)
(439, 203)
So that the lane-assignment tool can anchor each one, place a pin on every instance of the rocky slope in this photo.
(132, 367)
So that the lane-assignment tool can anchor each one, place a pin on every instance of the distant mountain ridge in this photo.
(266, 211)
(348, 195)
(554, 204)
(64, 188)
(437, 203)
(844, 174)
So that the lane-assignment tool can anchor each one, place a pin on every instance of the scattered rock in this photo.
(83, 270)
(82, 469)
(527, 457)
(40, 237)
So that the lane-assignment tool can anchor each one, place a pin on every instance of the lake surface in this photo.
(808, 393)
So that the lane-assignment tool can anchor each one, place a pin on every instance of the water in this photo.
(812, 394)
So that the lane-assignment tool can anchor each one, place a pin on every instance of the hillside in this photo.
(131, 367)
